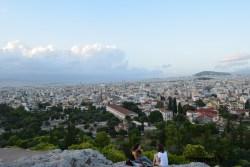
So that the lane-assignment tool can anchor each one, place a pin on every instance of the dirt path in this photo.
(12, 154)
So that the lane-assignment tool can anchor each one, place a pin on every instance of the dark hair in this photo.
(160, 148)
(136, 147)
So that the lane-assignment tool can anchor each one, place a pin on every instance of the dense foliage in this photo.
(227, 146)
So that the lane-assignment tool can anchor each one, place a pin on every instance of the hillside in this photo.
(211, 73)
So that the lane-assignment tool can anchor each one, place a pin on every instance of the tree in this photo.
(171, 136)
(180, 109)
(170, 102)
(131, 106)
(155, 117)
(134, 137)
(161, 133)
(224, 111)
(200, 103)
(195, 151)
(247, 104)
(102, 139)
(174, 106)
(70, 137)
(113, 154)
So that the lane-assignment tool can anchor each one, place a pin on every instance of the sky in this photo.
(122, 38)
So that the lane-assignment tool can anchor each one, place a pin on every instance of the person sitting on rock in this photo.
(161, 158)
(138, 159)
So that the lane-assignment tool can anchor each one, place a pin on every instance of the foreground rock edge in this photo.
(74, 158)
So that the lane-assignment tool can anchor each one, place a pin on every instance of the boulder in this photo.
(66, 158)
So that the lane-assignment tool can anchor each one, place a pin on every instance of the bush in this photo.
(14, 140)
(84, 145)
(177, 159)
(44, 147)
(113, 154)
(244, 163)
(149, 154)
(41, 139)
(195, 151)
(102, 139)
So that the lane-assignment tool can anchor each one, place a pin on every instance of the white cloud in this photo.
(236, 58)
(18, 59)
(234, 61)
(88, 50)
(17, 47)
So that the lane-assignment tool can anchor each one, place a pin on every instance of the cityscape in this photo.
(214, 91)
(124, 83)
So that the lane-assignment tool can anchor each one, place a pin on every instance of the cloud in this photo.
(234, 61)
(18, 48)
(236, 58)
(18, 60)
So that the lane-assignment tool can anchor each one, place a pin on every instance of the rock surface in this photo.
(193, 164)
(67, 158)
(73, 158)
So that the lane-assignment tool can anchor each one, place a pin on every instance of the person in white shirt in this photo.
(161, 158)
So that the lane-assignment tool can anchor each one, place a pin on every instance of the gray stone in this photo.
(193, 164)
(73, 158)
(67, 158)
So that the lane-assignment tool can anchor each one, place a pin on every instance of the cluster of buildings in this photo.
(230, 91)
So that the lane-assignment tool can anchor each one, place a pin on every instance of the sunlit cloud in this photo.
(17, 58)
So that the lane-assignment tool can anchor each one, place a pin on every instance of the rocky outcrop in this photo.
(67, 158)
(73, 158)
(193, 164)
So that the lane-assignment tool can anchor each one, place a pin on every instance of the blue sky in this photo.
(177, 37)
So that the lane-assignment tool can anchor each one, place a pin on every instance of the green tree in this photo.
(102, 139)
(247, 104)
(174, 106)
(134, 137)
(113, 154)
(224, 111)
(170, 101)
(131, 106)
(195, 151)
(180, 109)
(70, 137)
(200, 103)
(155, 117)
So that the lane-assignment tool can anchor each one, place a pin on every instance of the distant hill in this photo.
(211, 73)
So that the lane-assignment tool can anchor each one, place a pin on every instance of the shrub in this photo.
(177, 159)
(244, 163)
(13, 140)
(102, 139)
(44, 147)
(149, 154)
(113, 154)
(84, 145)
(195, 151)
(41, 139)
